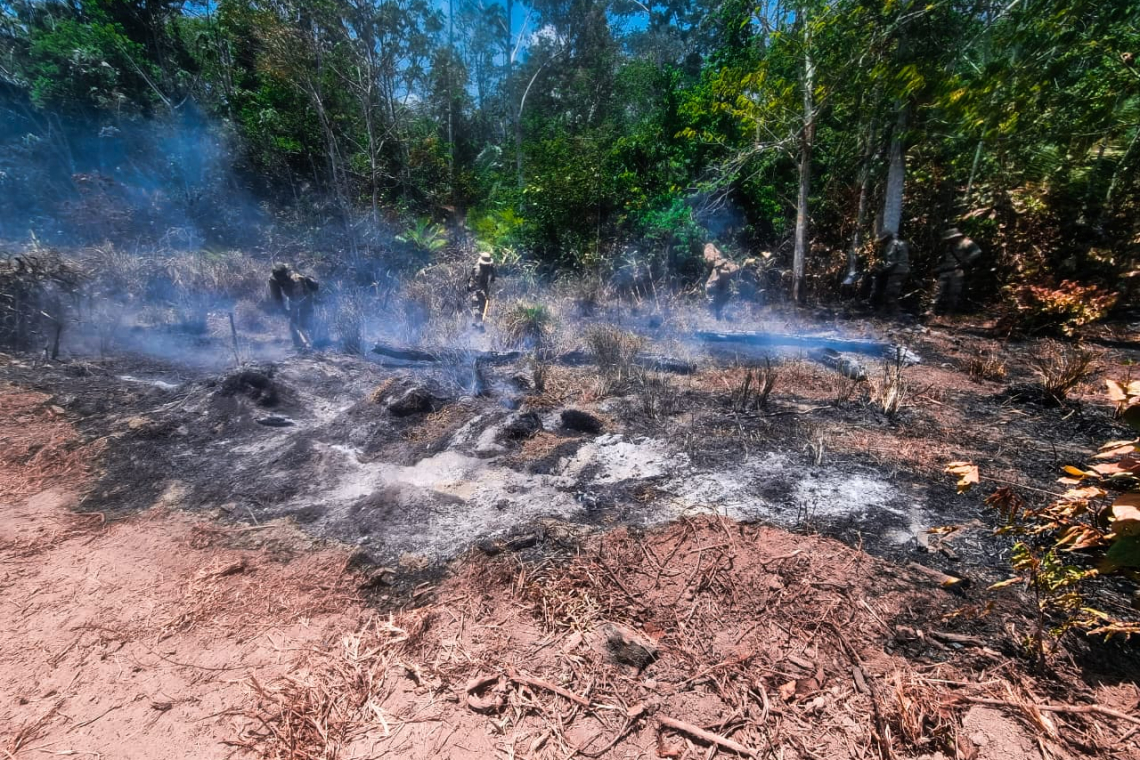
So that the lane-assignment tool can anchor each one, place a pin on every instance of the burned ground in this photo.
(505, 543)
(333, 441)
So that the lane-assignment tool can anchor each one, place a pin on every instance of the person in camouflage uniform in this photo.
(890, 275)
(295, 293)
(718, 287)
(961, 254)
(479, 286)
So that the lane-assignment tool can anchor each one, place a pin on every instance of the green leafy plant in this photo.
(1097, 517)
(425, 237)
(1065, 308)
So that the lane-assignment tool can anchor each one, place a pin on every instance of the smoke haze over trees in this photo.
(582, 133)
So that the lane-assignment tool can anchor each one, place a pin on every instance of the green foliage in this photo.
(1097, 519)
(598, 135)
(77, 65)
(424, 239)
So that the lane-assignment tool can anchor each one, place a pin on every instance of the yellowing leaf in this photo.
(1115, 391)
(1077, 472)
(1007, 582)
(967, 474)
(1083, 494)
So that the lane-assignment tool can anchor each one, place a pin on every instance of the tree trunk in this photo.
(450, 100)
(807, 138)
(896, 177)
(973, 174)
(861, 212)
(1120, 165)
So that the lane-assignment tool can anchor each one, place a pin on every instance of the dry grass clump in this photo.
(755, 387)
(615, 352)
(319, 708)
(347, 319)
(36, 290)
(526, 324)
(986, 365)
(1060, 368)
(249, 315)
(888, 391)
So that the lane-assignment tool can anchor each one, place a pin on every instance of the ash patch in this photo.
(434, 483)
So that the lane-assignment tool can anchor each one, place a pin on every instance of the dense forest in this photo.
(586, 134)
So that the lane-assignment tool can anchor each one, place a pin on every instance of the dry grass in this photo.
(986, 365)
(38, 447)
(888, 391)
(755, 388)
(526, 325)
(752, 648)
(615, 352)
(1060, 368)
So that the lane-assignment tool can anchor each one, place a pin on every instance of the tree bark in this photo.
(973, 174)
(896, 177)
(864, 191)
(807, 138)
(1120, 165)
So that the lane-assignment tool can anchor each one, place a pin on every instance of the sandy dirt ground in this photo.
(140, 638)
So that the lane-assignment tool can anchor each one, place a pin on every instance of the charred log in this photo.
(656, 362)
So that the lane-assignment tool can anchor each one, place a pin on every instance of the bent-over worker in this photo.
(295, 293)
(891, 273)
(961, 254)
(718, 287)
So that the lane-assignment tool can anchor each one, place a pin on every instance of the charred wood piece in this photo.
(888, 351)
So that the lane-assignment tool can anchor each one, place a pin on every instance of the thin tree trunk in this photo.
(1120, 165)
(896, 177)
(518, 121)
(973, 174)
(800, 256)
(864, 192)
(450, 99)
(1090, 184)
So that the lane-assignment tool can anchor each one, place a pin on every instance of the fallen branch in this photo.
(632, 716)
(881, 733)
(706, 736)
(957, 638)
(655, 362)
(876, 347)
(1077, 709)
(538, 683)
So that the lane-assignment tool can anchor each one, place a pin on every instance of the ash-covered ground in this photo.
(410, 466)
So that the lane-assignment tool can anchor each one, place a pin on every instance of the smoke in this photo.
(166, 182)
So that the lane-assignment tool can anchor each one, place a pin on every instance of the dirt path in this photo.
(141, 639)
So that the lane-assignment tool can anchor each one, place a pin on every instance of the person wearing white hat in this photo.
(479, 286)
